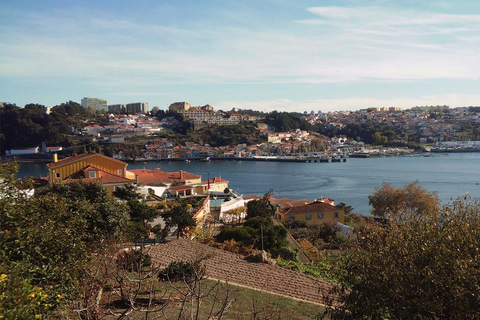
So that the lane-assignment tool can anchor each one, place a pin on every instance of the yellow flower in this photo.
(38, 316)
(60, 296)
(3, 277)
(32, 295)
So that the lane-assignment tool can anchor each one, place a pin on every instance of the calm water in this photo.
(350, 182)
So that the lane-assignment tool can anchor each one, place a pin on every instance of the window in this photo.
(92, 174)
(308, 216)
(335, 214)
(57, 175)
(291, 217)
(320, 215)
(119, 172)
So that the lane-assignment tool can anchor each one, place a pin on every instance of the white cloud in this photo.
(354, 45)
(354, 103)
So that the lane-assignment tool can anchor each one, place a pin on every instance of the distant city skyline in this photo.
(270, 55)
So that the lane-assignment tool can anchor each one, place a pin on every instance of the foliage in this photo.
(178, 216)
(319, 269)
(260, 232)
(285, 121)
(184, 271)
(46, 241)
(423, 267)
(133, 260)
(127, 192)
(140, 212)
(390, 202)
(295, 224)
(245, 235)
(258, 208)
(31, 125)
(21, 300)
(104, 217)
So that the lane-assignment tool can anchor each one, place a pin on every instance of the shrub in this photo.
(181, 270)
(245, 235)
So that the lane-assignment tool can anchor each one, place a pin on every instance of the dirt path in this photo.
(226, 266)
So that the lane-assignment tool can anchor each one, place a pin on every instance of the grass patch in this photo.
(319, 269)
(242, 303)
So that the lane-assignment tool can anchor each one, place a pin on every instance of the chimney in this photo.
(55, 157)
(181, 174)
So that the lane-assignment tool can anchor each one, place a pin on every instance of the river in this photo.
(451, 175)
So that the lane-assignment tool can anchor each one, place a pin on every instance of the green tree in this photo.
(258, 208)
(46, 241)
(423, 267)
(179, 216)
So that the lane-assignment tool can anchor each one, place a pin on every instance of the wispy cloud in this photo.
(331, 45)
(353, 103)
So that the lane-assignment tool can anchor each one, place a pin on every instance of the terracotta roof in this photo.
(286, 202)
(182, 176)
(215, 180)
(152, 177)
(80, 157)
(180, 188)
(312, 207)
(251, 197)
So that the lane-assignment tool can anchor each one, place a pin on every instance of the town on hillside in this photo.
(132, 132)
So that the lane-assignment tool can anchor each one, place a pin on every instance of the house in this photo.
(179, 184)
(318, 211)
(216, 184)
(87, 166)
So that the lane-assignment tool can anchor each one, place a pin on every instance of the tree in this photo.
(422, 267)
(258, 208)
(178, 216)
(140, 212)
(47, 241)
(261, 207)
(388, 201)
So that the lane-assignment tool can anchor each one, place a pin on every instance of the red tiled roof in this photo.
(182, 176)
(312, 207)
(286, 202)
(80, 157)
(180, 188)
(152, 177)
(215, 180)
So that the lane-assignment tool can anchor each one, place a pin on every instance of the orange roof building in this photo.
(110, 172)
(318, 211)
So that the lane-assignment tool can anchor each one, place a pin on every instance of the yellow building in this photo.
(216, 184)
(110, 172)
(318, 211)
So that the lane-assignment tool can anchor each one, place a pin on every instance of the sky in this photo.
(297, 55)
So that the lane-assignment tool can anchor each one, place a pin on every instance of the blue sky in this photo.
(263, 55)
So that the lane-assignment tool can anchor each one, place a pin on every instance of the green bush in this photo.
(182, 271)
(245, 235)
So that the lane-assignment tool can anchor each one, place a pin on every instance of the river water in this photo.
(451, 175)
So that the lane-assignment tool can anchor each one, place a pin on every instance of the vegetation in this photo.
(422, 266)
(286, 121)
(45, 256)
(260, 233)
(179, 216)
(390, 202)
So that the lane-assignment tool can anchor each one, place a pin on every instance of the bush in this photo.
(245, 235)
(181, 270)
(295, 224)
